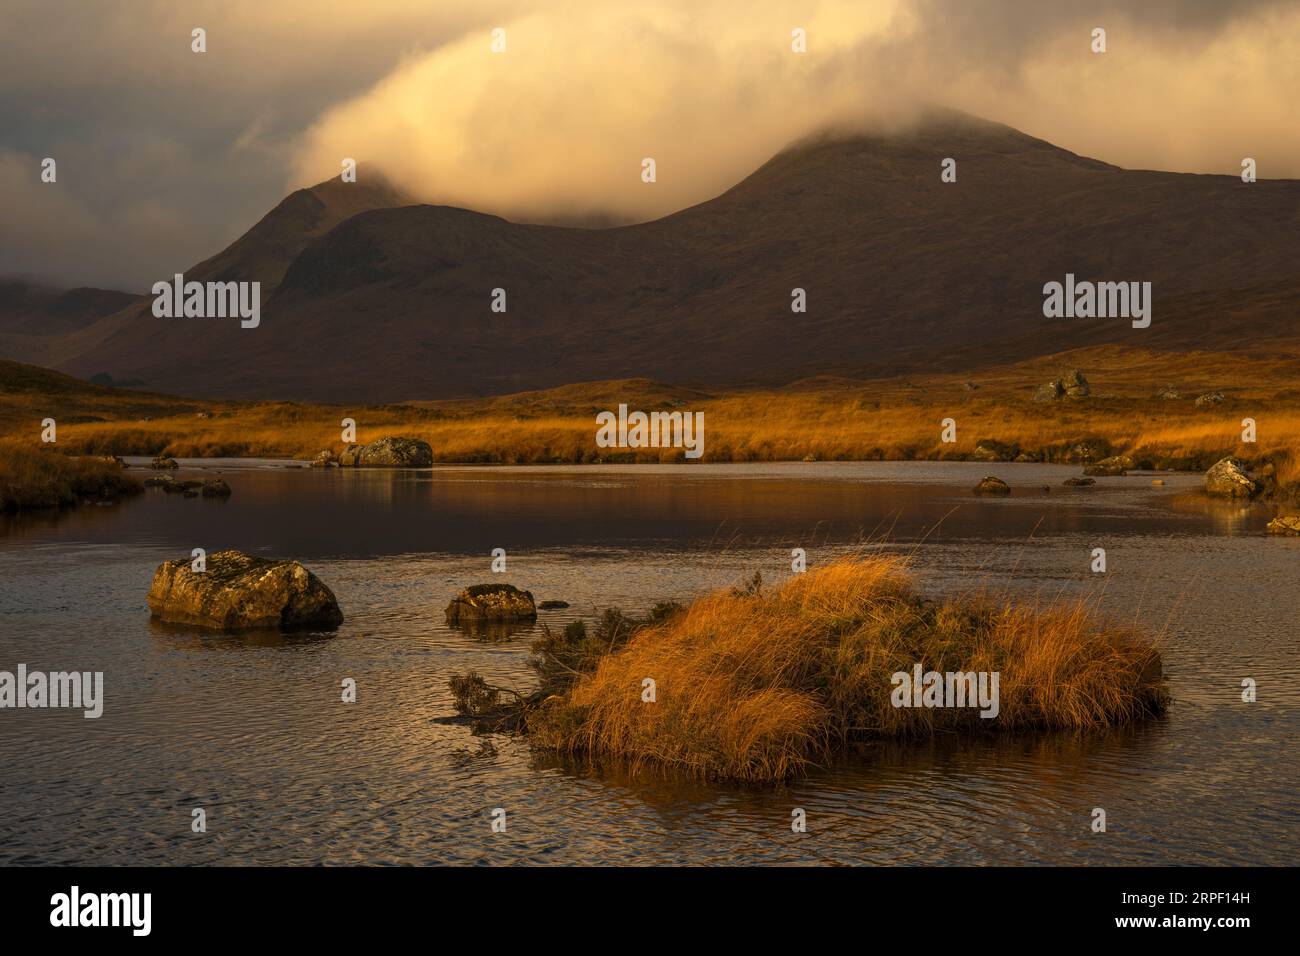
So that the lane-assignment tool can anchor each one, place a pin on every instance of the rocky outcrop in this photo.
(1075, 385)
(1228, 478)
(1285, 524)
(237, 591)
(1087, 451)
(992, 486)
(988, 449)
(1072, 384)
(1049, 392)
(491, 602)
(388, 453)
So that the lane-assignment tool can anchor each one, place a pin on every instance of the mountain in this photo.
(902, 272)
(30, 308)
(55, 327)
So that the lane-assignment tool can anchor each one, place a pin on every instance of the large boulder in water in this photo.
(1285, 524)
(237, 591)
(1227, 478)
(491, 602)
(388, 453)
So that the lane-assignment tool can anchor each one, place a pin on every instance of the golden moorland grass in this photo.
(757, 685)
(824, 418)
(40, 478)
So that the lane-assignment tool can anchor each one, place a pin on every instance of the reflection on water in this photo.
(253, 730)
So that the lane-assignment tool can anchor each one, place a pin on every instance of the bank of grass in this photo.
(827, 419)
(33, 478)
(759, 684)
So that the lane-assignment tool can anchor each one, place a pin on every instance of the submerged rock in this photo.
(1285, 524)
(215, 488)
(992, 486)
(1079, 482)
(1227, 478)
(552, 605)
(388, 453)
(238, 591)
(491, 602)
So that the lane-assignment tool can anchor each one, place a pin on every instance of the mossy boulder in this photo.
(1227, 478)
(237, 591)
(491, 602)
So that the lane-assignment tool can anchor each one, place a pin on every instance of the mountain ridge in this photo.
(901, 271)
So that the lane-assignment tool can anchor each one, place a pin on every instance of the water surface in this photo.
(253, 729)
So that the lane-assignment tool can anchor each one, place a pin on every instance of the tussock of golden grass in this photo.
(757, 687)
(40, 478)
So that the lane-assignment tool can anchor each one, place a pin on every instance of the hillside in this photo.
(903, 273)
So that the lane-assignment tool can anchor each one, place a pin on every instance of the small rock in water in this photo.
(1285, 524)
(237, 591)
(1227, 478)
(552, 605)
(1079, 482)
(1114, 466)
(164, 462)
(992, 486)
(388, 453)
(215, 488)
(491, 602)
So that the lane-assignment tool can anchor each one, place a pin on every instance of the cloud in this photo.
(557, 126)
(166, 156)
